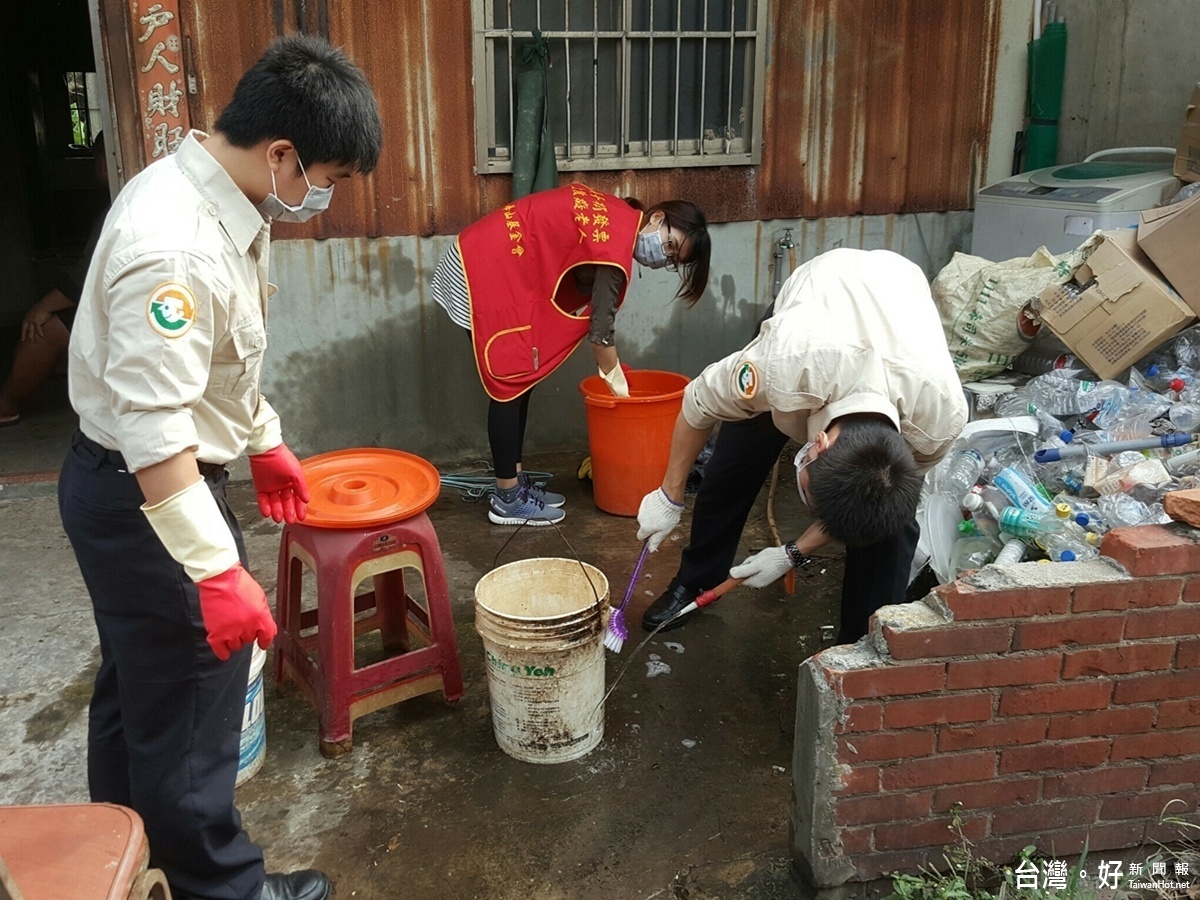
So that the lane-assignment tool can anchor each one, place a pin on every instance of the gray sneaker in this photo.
(523, 510)
(537, 492)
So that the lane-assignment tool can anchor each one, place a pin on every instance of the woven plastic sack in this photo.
(987, 308)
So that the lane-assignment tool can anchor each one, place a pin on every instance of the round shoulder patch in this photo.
(172, 309)
(745, 380)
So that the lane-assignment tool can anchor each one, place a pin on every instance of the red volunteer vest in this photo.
(516, 259)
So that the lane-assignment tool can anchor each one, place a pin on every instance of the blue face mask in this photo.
(649, 250)
(314, 202)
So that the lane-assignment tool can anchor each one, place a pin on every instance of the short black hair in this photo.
(307, 91)
(865, 486)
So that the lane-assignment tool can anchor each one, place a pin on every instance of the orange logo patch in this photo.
(745, 380)
(172, 309)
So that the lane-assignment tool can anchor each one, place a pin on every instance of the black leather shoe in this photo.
(307, 884)
(675, 598)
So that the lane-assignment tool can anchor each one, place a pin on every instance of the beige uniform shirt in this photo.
(168, 342)
(854, 331)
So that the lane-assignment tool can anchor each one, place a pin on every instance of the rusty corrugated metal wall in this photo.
(871, 107)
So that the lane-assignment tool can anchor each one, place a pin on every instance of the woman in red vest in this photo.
(531, 280)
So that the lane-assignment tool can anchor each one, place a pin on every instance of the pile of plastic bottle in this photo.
(1104, 454)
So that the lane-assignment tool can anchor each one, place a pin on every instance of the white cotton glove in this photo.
(616, 380)
(191, 527)
(763, 568)
(657, 517)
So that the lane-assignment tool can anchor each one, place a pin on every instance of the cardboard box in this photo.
(1187, 151)
(1168, 235)
(1117, 308)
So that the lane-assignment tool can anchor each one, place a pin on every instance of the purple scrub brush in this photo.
(617, 631)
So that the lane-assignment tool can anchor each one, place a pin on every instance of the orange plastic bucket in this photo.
(630, 438)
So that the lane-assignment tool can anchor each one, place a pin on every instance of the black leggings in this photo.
(506, 433)
(506, 430)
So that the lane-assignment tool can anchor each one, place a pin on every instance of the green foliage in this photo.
(971, 877)
(1186, 850)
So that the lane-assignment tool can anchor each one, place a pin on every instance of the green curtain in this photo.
(533, 165)
(1047, 63)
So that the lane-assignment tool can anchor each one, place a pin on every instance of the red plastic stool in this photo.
(341, 560)
(84, 851)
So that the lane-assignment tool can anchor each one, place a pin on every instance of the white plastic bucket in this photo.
(254, 725)
(542, 625)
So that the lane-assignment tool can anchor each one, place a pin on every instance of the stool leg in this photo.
(287, 606)
(391, 607)
(441, 620)
(335, 639)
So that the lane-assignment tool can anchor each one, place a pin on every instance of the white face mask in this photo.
(315, 201)
(649, 250)
(801, 462)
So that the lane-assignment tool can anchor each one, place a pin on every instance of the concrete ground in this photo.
(687, 796)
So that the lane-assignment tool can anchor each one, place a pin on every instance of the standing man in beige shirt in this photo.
(165, 360)
(853, 365)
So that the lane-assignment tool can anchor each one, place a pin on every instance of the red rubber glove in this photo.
(279, 481)
(235, 612)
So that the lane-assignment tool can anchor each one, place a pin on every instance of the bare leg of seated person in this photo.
(33, 365)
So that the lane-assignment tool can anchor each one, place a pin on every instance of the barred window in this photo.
(83, 104)
(631, 83)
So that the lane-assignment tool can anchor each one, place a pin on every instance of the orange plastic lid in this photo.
(372, 486)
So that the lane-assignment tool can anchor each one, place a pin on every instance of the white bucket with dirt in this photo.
(253, 745)
(542, 622)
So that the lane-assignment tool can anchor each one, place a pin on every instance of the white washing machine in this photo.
(1059, 206)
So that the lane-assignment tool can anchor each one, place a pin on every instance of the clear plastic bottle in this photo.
(1186, 348)
(1059, 395)
(1018, 403)
(1185, 417)
(1108, 402)
(1024, 523)
(1085, 513)
(962, 472)
(1073, 478)
(980, 523)
(1164, 379)
(1187, 463)
(1021, 491)
(1121, 510)
(1013, 551)
(1046, 353)
(986, 498)
(1058, 546)
(973, 552)
(1141, 424)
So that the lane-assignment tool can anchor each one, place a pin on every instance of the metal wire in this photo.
(574, 552)
(480, 482)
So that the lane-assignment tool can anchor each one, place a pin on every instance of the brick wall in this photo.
(1058, 703)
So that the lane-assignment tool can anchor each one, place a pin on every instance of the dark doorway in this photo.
(50, 116)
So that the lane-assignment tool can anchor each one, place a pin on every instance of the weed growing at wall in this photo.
(971, 877)
(1173, 872)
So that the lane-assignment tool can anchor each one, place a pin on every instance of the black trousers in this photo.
(166, 714)
(876, 575)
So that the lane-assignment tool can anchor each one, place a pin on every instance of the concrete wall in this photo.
(361, 355)
(1009, 97)
(1131, 65)
(1055, 705)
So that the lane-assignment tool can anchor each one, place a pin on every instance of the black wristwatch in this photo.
(798, 559)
